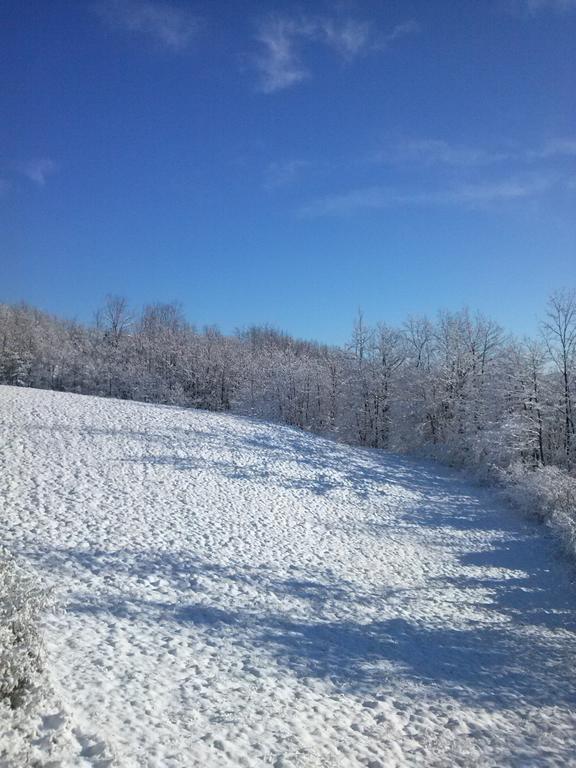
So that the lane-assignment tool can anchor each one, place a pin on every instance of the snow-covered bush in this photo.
(22, 603)
(547, 492)
(22, 680)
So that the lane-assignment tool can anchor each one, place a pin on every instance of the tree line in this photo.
(455, 385)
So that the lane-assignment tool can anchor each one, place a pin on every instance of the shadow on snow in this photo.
(518, 655)
(503, 662)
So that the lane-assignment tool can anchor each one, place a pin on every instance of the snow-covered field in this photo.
(236, 593)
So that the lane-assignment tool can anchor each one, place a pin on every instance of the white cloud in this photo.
(39, 169)
(471, 195)
(282, 39)
(351, 38)
(172, 26)
(279, 62)
(348, 37)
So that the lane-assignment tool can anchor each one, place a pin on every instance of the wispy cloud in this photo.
(174, 27)
(514, 188)
(431, 152)
(534, 7)
(279, 62)
(280, 174)
(559, 6)
(470, 195)
(282, 40)
(348, 37)
(554, 148)
(38, 170)
(399, 31)
(437, 152)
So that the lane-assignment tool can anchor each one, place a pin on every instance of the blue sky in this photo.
(288, 163)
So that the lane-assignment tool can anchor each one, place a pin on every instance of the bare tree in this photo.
(559, 330)
(114, 318)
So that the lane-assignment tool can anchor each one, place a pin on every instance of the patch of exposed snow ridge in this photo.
(236, 593)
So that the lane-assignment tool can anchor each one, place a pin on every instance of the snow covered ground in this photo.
(241, 594)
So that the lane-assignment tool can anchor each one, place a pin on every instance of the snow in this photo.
(236, 593)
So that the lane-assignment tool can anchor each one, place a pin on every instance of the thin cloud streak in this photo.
(437, 152)
(534, 8)
(172, 26)
(555, 148)
(471, 195)
(557, 6)
(431, 152)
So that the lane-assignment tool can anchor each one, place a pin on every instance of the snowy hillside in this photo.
(242, 594)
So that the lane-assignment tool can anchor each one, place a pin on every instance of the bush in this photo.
(547, 492)
(21, 604)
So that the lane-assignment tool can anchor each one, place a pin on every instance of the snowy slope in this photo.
(242, 594)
